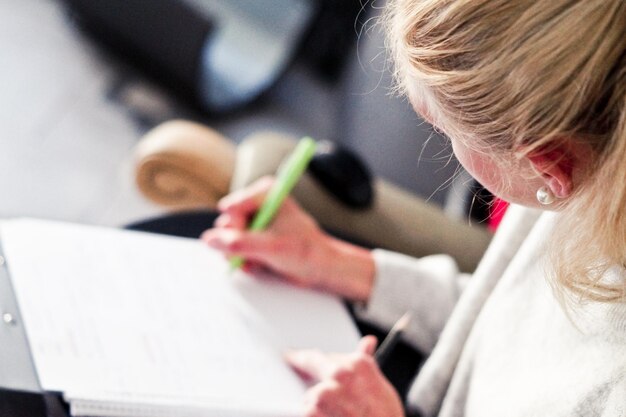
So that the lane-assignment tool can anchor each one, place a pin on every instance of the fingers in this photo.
(254, 268)
(231, 221)
(251, 245)
(348, 385)
(367, 345)
(246, 200)
(328, 399)
(239, 207)
(310, 365)
(314, 365)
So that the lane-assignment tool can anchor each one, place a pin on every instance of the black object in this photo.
(479, 207)
(21, 404)
(163, 37)
(221, 54)
(331, 41)
(343, 174)
(17, 403)
(183, 224)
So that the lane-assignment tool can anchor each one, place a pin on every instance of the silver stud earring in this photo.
(545, 196)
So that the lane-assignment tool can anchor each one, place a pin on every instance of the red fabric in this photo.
(496, 212)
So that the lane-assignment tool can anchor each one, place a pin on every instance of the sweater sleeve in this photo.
(428, 288)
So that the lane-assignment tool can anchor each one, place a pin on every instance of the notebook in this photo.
(126, 323)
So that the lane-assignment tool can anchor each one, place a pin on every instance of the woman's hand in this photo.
(348, 385)
(294, 247)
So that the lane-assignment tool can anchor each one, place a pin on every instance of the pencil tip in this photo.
(404, 320)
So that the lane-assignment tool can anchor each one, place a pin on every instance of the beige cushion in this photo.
(184, 165)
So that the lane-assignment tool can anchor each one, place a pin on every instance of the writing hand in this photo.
(293, 246)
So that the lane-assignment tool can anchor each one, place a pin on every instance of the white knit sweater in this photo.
(500, 344)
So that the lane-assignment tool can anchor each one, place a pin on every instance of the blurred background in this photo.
(81, 81)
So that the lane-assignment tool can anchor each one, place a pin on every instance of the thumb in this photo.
(311, 365)
(367, 345)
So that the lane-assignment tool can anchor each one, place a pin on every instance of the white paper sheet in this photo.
(128, 316)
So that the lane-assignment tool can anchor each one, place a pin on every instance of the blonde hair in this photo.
(516, 76)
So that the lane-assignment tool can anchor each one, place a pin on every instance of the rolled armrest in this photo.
(397, 220)
(184, 165)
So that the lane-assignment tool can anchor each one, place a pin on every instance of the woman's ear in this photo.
(556, 166)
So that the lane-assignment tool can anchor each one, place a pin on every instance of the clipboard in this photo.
(20, 392)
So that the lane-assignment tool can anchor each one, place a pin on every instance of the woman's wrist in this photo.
(349, 270)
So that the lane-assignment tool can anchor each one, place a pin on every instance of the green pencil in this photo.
(287, 177)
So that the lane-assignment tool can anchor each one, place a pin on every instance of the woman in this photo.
(532, 95)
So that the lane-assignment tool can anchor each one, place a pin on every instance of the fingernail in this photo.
(222, 204)
(211, 240)
(225, 202)
(222, 221)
